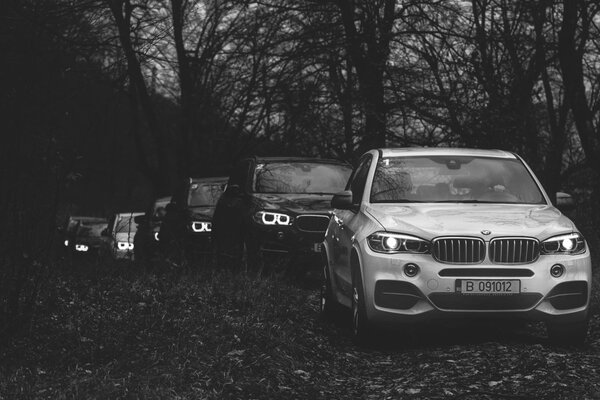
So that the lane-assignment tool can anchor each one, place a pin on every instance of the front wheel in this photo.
(328, 306)
(361, 327)
(571, 334)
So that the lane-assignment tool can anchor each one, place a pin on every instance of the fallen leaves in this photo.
(227, 336)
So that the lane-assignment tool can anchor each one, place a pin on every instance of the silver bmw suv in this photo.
(424, 233)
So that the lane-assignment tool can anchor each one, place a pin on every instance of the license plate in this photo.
(488, 286)
(317, 247)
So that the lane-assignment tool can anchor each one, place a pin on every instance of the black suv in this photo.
(276, 206)
(187, 224)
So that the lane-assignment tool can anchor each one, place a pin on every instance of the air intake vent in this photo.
(312, 223)
(514, 250)
(459, 250)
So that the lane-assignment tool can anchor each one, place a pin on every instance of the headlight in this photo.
(572, 243)
(81, 247)
(201, 226)
(272, 218)
(387, 242)
(124, 246)
(156, 236)
(66, 243)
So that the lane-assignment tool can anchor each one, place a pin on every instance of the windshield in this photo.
(300, 177)
(125, 223)
(91, 230)
(205, 194)
(453, 179)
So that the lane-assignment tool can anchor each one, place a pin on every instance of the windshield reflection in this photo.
(300, 177)
(453, 179)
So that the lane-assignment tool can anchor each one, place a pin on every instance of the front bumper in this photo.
(198, 242)
(391, 296)
(287, 240)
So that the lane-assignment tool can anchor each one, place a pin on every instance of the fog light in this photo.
(280, 235)
(557, 270)
(411, 270)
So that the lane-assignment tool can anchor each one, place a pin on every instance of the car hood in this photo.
(295, 203)
(90, 240)
(124, 237)
(201, 213)
(433, 220)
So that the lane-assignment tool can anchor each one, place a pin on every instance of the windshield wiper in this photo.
(399, 201)
(463, 201)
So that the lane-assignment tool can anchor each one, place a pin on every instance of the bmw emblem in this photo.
(485, 232)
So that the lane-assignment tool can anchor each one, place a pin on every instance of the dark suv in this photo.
(276, 206)
(82, 235)
(187, 224)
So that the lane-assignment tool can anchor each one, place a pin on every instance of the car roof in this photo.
(209, 179)
(127, 214)
(267, 160)
(162, 200)
(88, 219)
(443, 151)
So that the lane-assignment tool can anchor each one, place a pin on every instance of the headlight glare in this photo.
(81, 247)
(572, 243)
(388, 242)
(272, 218)
(201, 226)
(124, 246)
(567, 244)
(391, 243)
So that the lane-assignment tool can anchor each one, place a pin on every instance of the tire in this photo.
(571, 334)
(328, 307)
(362, 329)
(251, 259)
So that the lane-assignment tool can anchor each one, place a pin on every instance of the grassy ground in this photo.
(118, 332)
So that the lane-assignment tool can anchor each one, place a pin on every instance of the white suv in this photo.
(425, 233)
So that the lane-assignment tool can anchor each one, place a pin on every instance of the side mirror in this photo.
(343, 200)
(139, 219)
(564, 201)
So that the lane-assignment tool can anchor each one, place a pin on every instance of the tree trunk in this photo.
(571, 62)
(369, 50)
(151, 146)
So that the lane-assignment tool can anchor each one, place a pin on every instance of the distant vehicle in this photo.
(120, 233)
(450, 233)
(187, 224)
(277, 205)
(82, 235)
(146, 240)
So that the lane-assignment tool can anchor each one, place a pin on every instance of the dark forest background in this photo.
(107, 103)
